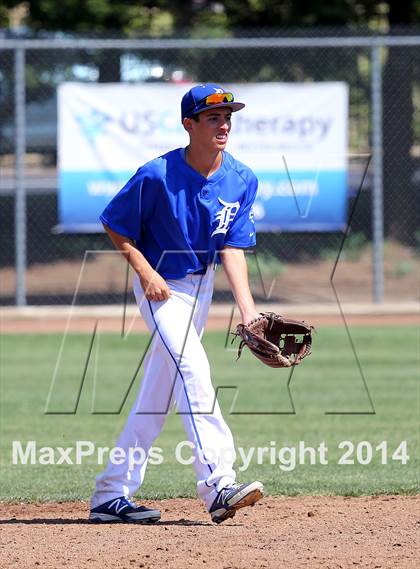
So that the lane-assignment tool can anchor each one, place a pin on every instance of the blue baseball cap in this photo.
(207, 96)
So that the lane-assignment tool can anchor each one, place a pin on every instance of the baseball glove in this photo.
(275, 340)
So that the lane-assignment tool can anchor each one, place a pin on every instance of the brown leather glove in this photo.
(275, 340)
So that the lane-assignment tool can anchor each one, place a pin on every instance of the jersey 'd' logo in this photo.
(225, 215)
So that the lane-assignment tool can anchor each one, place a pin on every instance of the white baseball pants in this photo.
(176, 372)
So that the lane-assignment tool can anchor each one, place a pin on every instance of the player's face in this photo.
(212, 129)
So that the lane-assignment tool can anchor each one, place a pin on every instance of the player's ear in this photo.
(187, 124)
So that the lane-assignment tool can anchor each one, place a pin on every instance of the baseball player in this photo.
(177, 217)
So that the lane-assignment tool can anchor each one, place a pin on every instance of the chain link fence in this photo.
(379, 256)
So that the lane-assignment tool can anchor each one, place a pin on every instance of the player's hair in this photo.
(195, 117)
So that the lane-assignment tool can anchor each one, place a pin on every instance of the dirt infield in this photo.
(112, 318)
(86, 325)
(370, 532)
(298, 282)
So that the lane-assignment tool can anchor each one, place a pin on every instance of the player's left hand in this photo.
(275, 340)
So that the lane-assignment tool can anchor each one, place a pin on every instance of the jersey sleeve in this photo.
(123, 213)
(242, 231)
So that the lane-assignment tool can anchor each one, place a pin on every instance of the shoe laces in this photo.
(234, 486)
(227, 489)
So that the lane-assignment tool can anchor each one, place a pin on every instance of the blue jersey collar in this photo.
(218, 175)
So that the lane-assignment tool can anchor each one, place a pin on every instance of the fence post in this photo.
(377, 193)
(20, 189)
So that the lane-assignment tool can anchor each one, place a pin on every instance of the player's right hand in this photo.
(154, 286)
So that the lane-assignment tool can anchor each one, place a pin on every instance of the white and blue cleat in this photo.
(122, 510)
(233, 498)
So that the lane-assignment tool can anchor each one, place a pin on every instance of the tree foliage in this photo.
(158, 17)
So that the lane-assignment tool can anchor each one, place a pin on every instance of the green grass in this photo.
(327, 402)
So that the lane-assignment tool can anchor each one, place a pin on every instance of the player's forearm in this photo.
(153, 285)
(135, 258)
(236, 269)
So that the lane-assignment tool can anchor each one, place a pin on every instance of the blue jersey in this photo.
(179, 219)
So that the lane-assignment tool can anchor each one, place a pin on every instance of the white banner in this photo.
(294, 136)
